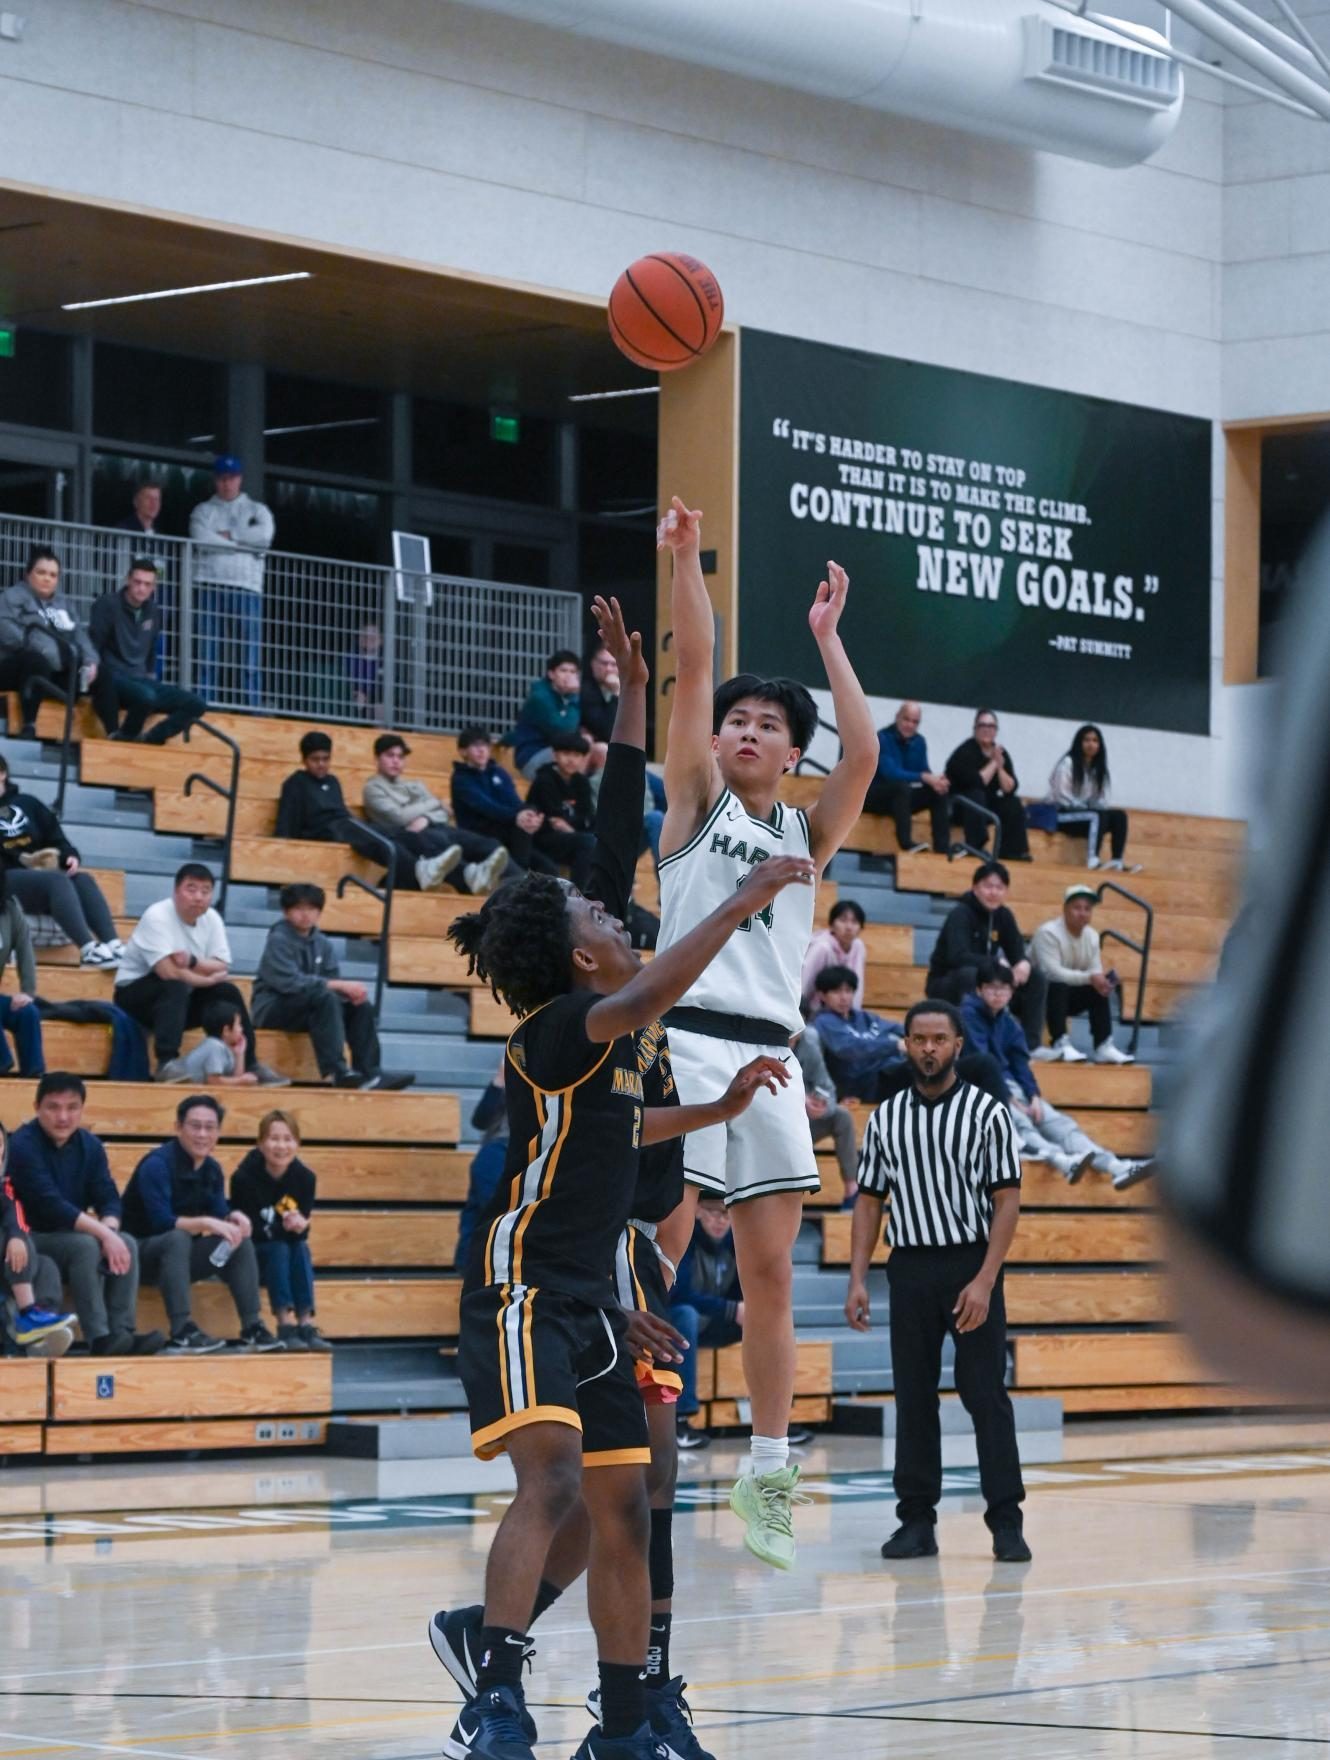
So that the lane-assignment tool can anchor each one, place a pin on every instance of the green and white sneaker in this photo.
(764, 1505)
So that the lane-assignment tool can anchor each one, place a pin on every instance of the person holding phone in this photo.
(1066, 950)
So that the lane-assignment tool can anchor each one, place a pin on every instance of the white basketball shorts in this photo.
(768, 1148)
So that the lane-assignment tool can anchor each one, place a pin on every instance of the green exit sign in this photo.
(8, 337)
(505, 427)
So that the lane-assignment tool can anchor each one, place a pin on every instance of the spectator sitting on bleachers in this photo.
(61, 1177)
(1078, 788)
(18, 1011)
(980, 770)
(561, 794)
(219, 1057)
(490, 1118)
(600, 703)
(1045, 1134)
(35, 1323)
(232, 531)
(706, 1304)
(979, 927)
(364, 669)
(311, 806)
(125, 627)
(826, 1116)
(904, 785)
(859, 1047)
(837, 945)
(553, 706)
(419, 823)
(1066, 951)
(485, 799)
(146, 508)
(175, 963)
(41, 639)
(46, 877)
(300, 989)
(175, 1206)
(273, 1187)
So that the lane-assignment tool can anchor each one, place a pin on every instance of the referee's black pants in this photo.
(924, 1284)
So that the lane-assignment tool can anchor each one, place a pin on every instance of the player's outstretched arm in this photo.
(842, 798)
(659, 985)
(660, 1123)
(692, 781)
(630, 720)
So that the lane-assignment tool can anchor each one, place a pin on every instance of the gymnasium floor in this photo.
(1178, 1606)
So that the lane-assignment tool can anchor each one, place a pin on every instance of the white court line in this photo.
(701, 1619)
(12, 1735)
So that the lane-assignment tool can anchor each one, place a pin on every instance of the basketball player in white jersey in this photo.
(726, 755)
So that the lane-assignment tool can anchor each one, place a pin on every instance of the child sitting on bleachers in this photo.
(220, 1057)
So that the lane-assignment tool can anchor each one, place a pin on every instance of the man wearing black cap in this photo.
(419, 823)
(233, 531)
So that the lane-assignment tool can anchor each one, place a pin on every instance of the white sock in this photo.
(767, 1454)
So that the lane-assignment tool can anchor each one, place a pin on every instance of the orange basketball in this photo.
(665, 311)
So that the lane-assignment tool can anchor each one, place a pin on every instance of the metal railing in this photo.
(1141, 947)
(385, 896)
(815, 763)
(230, 795)
(320, 639)
(963, 805)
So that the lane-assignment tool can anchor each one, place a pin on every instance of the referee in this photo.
(945, 1154)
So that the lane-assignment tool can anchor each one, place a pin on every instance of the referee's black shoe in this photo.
(912, 1540)
(1009, 1546)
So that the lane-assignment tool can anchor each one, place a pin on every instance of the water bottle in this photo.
(220, 1253)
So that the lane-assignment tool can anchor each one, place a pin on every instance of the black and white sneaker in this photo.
(258, 1338)
(494, 1726)
(687, 1437)
(388, 1081)
(454, 1636)
(193, 1341)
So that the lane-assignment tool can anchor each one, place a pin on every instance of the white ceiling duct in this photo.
(1016, 70)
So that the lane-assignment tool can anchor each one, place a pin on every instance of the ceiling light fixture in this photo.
(601, 396)
(129, 299)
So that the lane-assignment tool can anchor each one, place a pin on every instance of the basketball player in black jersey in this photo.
(543, 1343)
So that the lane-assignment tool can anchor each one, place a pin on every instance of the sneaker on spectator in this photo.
(390, 1081)
(147, 1344)
(314, 1339)
(1094, 862)
(1131, 1173)
(116, 946)
(432, 871)
(483, 877)
(1071, 1167)
(687, 1437)
(192, 1340)
(258, 1338)
(35, 1324)
(1045, 1054)
(51, 1345)
(920, 849)
(97, 953)
(270, 1077)
(289, 1336)
(1109, 1053)
(345, 1078)
(113, 1344)
(173, 1070)
(1066, 1051)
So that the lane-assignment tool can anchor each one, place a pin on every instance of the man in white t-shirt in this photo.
(175, 963)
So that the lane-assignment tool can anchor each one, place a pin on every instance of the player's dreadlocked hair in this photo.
(519, 943)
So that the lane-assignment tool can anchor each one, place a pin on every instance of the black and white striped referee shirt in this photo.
(938, 1163)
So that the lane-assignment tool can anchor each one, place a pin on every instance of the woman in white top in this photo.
(1078, 788)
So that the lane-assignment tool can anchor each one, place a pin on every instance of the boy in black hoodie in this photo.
(981, 927)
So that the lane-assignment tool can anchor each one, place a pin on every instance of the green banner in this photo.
(1036, 551)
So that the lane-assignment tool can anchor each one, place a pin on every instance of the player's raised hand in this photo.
(768, 878)
(825, 612)
(763, 1072)
(626, 648)
(680, 530)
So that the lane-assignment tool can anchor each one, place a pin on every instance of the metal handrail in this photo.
(813, 763)
(963, 848)
(229, 795)
(68, 696)
(1143, 948)
(385, 897)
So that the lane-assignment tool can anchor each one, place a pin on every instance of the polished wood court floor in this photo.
(1178, 1606)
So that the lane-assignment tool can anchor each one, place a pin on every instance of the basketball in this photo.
(665, 311)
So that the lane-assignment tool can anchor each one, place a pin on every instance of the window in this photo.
(167, 400)
(453, 449)
(346, 524)
(36, 382)
(115, 477)
(311, 424)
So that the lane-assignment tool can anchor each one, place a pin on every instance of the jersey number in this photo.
(766, 915)
(637, 1127)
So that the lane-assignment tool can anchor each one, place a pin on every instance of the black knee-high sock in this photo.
(623, 1706)
(547, 1594)
(658, 1650)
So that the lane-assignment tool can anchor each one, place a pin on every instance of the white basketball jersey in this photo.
(758, 971)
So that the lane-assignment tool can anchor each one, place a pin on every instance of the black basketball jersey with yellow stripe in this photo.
(575, 1125)
(660, 1181)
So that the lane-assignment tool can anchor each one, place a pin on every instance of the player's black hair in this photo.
(847, 907)
(984, 869)
(302, 892)
(835, 978)
(993, 971)
(190, 1101)
(1099, 764)
(929, 1006)
(794, 700)
(519, 942)
(314, 741)
(217, 1017)
(192, 871)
